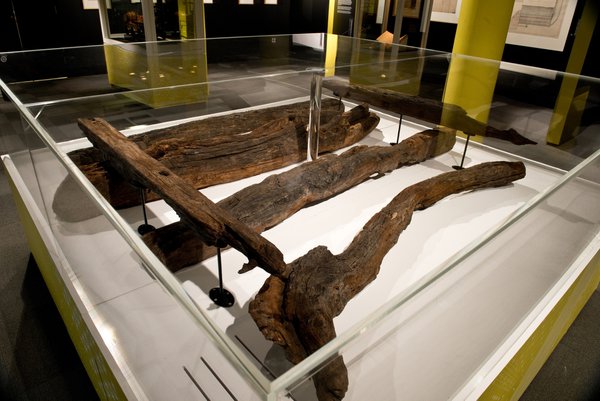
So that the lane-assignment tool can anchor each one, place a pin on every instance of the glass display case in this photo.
(471, 282)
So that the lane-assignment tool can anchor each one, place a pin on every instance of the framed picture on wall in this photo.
(445, 11)
(90, 4)
(541, 23)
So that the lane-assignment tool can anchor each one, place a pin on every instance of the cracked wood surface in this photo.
(212, 223)
(249, 143)
(297, 312)
(282, 195)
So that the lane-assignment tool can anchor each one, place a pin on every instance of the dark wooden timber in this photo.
(215, 225)
(297, 312)
(430, 110)
(197, 153)
(270, 202)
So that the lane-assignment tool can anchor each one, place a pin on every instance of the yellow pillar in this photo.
(331, 42)
(567, 95)
(191, 19)
(331, 16)
(481, 32)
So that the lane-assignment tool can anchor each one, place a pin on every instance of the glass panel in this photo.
(371, 18)
(429, 346)
(461, 259)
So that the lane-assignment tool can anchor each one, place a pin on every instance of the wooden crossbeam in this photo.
(214, 225)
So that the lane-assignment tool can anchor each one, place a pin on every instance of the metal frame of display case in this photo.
(452, 324)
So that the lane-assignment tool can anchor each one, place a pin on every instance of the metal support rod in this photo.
(220, 295)
(462, 160)
(143, 196)
(144, 228)
(220, 268)
(399, 128)
(314, 119)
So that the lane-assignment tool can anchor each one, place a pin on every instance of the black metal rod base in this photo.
(145, 229)
(221, 297)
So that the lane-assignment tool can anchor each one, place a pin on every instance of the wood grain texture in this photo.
(297, 313)
(249, 143)
(424, 109)
(282, 195)
(212, 223)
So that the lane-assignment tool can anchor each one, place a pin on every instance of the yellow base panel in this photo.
(512, 382)
(96, 366)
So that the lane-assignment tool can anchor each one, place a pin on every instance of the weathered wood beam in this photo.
(424, 109)
(279, 143)
(228, 124)
(284, 194)
(297, 313)
(215, 225)
(210, 159)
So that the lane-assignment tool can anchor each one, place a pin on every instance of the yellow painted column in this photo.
(331, 42)
(330, 16)
(191, 19)
(481, 32)
(98, 369)
(568, 89)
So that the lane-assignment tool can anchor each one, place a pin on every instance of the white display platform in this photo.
(437, 354)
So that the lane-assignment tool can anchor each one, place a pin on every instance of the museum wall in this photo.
(42, 24)
(308, 16)
(46, 24)
(60, 23)
(529, 88)
(441, 37)
(227, 18)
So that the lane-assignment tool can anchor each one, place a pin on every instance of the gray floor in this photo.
(38, 361)
(572, 373)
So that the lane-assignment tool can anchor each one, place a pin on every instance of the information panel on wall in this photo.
(344, 17)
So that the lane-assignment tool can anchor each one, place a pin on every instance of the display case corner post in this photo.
(312, 148)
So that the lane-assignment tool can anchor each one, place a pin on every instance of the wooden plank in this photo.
(178, 246)
(214, 225)
(196, 153)
(297, 313)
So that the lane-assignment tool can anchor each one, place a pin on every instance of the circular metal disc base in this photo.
(221, 297)
(145, 229)
(457, 167)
